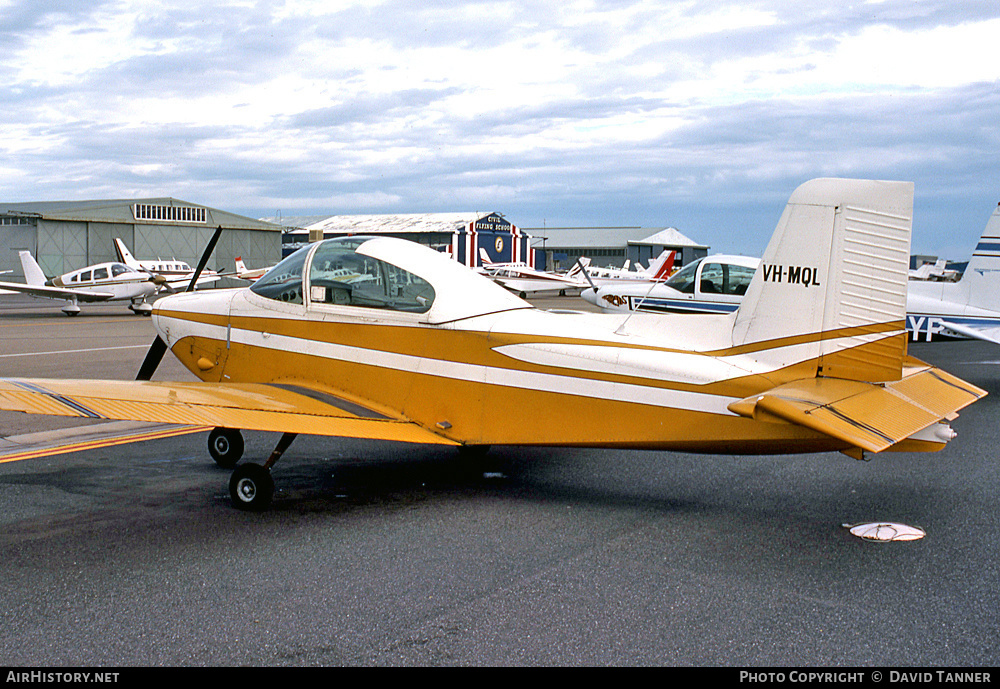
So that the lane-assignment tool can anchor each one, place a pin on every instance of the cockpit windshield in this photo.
(683, 280)
(284, 281)
(338, 275)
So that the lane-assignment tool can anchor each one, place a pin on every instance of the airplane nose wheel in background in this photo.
(226, 446)
(251, 488)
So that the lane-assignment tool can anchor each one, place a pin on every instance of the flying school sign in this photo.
(807, 276)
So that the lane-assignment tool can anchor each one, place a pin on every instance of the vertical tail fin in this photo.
(124, 255)
(579, 267)
(833, 279)
(241, 267)
(981, 280)
(661, 268)
(33, 274)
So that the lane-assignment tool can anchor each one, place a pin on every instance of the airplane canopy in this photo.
(384, 273)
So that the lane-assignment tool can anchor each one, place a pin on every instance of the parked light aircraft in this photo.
(249, 274)
(177, 273)
(427, 351)
(101, 282)
(522, 279)
(659, 269)
(935, 271)
(966, 308)
(713, 284)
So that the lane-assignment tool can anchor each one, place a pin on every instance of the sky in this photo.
(701, 115)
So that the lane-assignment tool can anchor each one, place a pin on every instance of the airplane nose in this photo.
(589, 295)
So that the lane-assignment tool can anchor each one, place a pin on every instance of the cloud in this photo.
(702, 115)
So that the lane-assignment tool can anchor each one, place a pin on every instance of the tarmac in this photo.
(381, 554)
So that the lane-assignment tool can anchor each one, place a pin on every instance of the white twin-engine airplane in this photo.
(101, 282)
(177, 274)
(428, 351)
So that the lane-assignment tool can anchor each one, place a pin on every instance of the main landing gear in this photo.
(251, 487)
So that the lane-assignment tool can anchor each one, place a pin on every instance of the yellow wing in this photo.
(871, 416)
(283, 408)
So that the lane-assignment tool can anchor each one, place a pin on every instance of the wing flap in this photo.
(261, 407)
(867, 415)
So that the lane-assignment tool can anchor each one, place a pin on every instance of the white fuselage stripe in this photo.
(491, 375)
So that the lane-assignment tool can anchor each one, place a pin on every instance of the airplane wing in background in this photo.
(250, 406)
(55, 292)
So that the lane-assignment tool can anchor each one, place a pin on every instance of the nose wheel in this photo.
(226, 446)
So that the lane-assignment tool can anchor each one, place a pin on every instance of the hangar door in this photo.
(17, 237)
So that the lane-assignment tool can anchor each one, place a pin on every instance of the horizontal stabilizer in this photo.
(260, 407)
(950, 329)
(870, 416)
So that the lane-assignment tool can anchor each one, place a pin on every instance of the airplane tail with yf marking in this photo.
(33, 274)
(980, 283)
(825, 314)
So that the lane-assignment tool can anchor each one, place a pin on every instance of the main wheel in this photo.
(226, 446)
(251, 488)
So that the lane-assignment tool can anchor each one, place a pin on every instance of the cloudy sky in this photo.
(703, 115)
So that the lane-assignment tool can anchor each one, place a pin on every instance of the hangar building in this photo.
(66, 235)
(611, 246)
(462, 235)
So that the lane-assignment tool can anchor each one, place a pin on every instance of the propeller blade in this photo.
(586, 274)
(152, 360)
(204, 258)
(156, 350)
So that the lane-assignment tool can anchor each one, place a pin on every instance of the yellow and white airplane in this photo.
(427, 351)
(102, 282)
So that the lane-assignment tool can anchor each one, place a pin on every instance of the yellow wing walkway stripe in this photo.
(102, 442)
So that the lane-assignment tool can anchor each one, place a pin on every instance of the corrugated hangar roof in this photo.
(583, 237)
(669, 236)
(120, 211)
(588, 237)
(398, 223)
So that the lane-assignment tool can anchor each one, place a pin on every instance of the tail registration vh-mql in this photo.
(408, 345)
